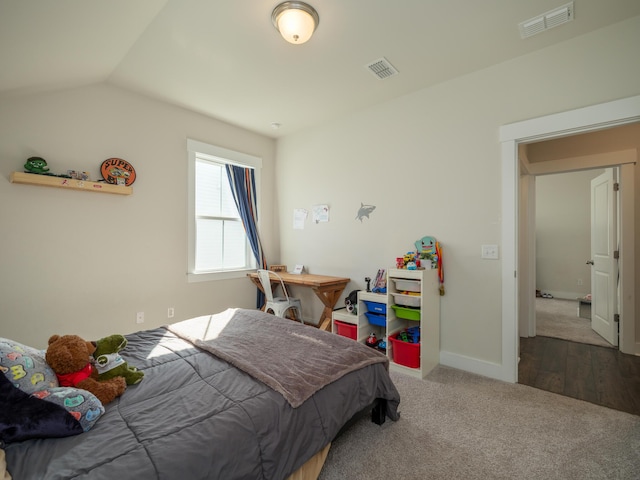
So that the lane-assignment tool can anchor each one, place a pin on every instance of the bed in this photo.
(236, 395)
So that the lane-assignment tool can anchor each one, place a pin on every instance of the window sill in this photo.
(213, 276)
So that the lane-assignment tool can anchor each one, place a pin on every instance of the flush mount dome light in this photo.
(296, 21)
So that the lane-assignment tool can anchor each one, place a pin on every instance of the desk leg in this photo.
(257, 283)
(328, 296)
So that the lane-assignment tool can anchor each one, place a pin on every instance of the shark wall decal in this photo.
(364, 211)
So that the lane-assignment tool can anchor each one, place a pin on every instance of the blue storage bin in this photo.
(377, 319)
(375, 307)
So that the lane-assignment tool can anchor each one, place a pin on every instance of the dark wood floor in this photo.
(599, 375)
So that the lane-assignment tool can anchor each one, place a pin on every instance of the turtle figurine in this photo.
(36, 165)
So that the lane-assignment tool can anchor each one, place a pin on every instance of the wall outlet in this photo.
(170, 312)
(140, 317)
(490, 252)
(579, 281)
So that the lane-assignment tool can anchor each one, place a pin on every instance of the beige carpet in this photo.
(456, 425)
(558, 318)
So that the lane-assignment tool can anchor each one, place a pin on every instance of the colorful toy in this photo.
(426, 246)
(36, 165)
(110, 364)
(410, 335)
(431, 249)
(351, 302)
(70, 357)
(380, 283)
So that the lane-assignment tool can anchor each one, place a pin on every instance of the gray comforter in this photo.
(195, 416)
(319, 358)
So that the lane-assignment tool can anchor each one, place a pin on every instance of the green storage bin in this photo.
(406, 312)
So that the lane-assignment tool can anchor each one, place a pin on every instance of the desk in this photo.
(326, 288)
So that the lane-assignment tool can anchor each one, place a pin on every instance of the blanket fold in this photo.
(293, 359)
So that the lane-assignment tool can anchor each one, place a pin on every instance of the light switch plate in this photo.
(490, 252)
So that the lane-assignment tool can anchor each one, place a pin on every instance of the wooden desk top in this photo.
(308, 279)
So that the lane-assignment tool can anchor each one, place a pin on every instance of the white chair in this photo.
(279, 306)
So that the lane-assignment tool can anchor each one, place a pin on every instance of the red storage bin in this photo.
(405, 353)
(346, 329)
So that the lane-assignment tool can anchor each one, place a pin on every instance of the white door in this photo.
(604, 266)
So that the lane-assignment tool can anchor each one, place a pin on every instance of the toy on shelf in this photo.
(428, 255)
(38, 166)
(409, 335)
(380, 282)
(382, 344)
(409, 261)
(351, 302)
(118, 171)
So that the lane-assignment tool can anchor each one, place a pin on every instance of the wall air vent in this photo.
(382, 69)
(548, 20)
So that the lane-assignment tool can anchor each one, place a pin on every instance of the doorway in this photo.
(563, 253)
(612, 149)
(587, 368)
(516, 286)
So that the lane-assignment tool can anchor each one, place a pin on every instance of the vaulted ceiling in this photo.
(224, 58)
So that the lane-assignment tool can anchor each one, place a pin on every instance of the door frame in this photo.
(582, 120)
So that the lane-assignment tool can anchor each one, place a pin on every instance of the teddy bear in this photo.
(110, 364)
(70, 357)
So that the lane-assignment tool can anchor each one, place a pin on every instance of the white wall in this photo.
(85, 263)
(563, 229)
(430, 162)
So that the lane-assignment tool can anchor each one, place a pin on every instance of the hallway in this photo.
(595, 374)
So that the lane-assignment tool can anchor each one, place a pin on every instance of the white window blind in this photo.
(218, 244)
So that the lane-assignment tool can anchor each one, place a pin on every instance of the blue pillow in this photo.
(25, 366)
(83, 405)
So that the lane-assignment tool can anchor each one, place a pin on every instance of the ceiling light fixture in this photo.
(296, 21)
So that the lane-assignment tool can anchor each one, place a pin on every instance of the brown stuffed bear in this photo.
(70, 358)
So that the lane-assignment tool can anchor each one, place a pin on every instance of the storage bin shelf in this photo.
(385, 315)
(413, 301)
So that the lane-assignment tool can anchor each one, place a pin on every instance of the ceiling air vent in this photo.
(548, 20)
(382, 69)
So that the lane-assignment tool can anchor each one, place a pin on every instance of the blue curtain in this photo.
(243, 187)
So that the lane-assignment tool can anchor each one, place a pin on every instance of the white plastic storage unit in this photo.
(372, 310)
(420, 308)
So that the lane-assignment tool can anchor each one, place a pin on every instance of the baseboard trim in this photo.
(473, 365)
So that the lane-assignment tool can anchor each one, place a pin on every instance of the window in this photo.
(218, 244)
